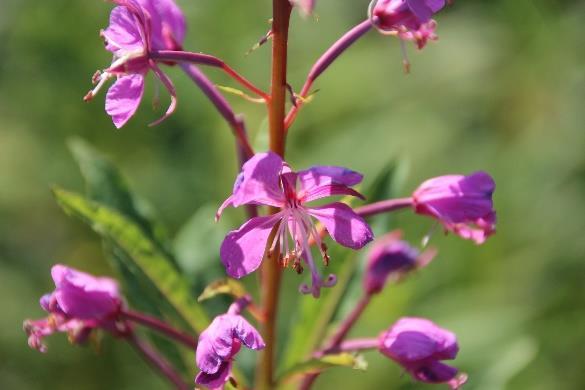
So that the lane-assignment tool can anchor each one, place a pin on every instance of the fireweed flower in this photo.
(79, 303)
(419, 346)
(136, 28)
(409, 19)
(463, 204)
(391, 259)
(267, 180)
(220, 342)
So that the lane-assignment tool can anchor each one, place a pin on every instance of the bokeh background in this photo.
(502, 91)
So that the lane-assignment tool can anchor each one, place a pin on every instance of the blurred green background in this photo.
(502, 91)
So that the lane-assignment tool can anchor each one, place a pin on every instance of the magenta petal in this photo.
(123, 33)
(435, 372)
(318, 176)
(435, 5)
(247, 334)
(84, 296)
(330, 190)
(343, 224)
(420, 9)
(215, 345)
(259, 181)
(217, 379)
(242, 250)
(167, 24)
(415, 339)
(123, 98)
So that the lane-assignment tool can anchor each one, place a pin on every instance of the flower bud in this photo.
(419, 346)
(463, 204)
(390, 259)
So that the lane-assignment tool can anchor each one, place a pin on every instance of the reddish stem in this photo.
(271, 272)
(160, 326)
(157, 361)
(383, 206)
(325, 61)
(209, 60)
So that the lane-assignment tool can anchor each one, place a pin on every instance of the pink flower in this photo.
(220, 342)
(463, 204)
(419, 346)
(136, 28)
(409, 19)
(267, 180)
(391, 259)
(79, 303)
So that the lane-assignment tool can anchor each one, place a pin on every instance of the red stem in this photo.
(271, 272)
(157, 361)
(160, 326)
(209, 60)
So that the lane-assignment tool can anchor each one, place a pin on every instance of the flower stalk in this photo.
(271, 272)
(160, 326)
(324, 62)
(157, 362)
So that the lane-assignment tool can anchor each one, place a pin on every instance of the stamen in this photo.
(405, 61)
(103, 77)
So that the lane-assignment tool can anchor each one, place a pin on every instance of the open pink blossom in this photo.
(419, 346)
(220, 342)
(79, 303)
(463, 204)
(391, 259)
(267, 180)
(409, 19)
(136, 28)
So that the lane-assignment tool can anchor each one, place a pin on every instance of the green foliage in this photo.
(141, 251)
(317, 365)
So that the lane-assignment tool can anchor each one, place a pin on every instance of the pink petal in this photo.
(247, 334)
(242, 250)
(215, 344)
(414, 339)
(435, 5)
(343, 224)
(435, 372)
(259, 181)
(84, 296)
(167, 23)
(330, 190)
(217, 379)
(123, 98)
(420, 9)
(123, 33)
(318, 176)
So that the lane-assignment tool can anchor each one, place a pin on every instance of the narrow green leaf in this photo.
(223, 286)
(142, 252)
(315, 366)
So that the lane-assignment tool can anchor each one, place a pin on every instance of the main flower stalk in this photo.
(271, 272)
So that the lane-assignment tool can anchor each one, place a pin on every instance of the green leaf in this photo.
(105, 184)
(196, 245)
(315, 366)
(142, 253)
(223, 286)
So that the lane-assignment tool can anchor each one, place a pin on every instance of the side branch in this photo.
(325, 61)
(208, 60)
(221, 104)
